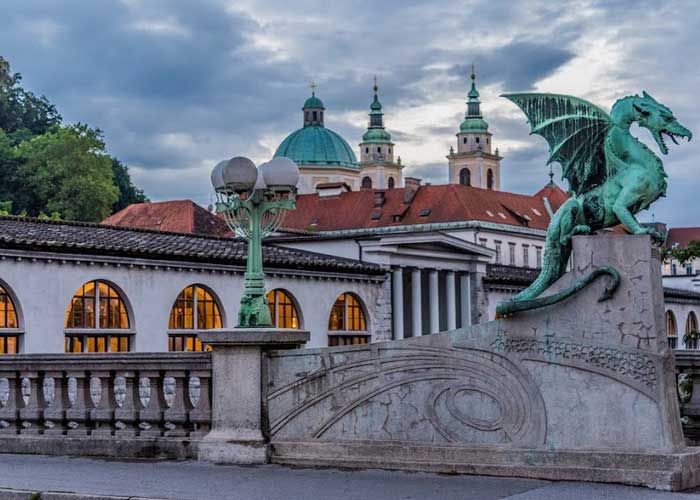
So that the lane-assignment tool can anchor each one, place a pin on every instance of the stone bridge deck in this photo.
(60, 478)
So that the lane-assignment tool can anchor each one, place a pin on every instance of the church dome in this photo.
(315, 145)
(314, 102)
(474, 124)
(376, 135)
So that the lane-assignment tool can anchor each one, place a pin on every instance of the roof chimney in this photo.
(412, 184)
(379, 198)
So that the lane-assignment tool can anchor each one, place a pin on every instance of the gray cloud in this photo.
(177, 84)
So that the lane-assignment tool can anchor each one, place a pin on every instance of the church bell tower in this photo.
(473, 163)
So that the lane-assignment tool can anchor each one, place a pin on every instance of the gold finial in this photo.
(313, 86)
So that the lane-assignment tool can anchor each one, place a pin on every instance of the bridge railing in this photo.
(688, 375)
(130, 395)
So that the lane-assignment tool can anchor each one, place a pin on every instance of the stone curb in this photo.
(12, 494)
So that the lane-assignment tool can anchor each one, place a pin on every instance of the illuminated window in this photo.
(98, 308)
(691, 329)
(194, 308)
(8, 322)
(346, 321)
(283, 311)
(671, 330)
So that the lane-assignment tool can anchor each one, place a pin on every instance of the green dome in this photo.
(313, 102)
(315, 145)
(376, 135)
(474, 124)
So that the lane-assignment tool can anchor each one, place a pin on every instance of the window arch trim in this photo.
(17, 307)
(296, 308)
(215, 298)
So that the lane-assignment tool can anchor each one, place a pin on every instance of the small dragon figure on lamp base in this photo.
(612, 175)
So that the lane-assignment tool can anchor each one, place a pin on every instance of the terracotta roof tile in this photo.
(431, 204)
(181, 216)
(681, 236)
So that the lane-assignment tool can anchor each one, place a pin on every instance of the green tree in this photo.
(22, 113)
(67, 173)
(128, 193)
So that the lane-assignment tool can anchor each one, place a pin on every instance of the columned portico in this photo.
(430, 274)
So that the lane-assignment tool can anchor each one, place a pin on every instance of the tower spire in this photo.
(312, 86)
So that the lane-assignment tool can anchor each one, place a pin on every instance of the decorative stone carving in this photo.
(4, 424)
(145, 391)
(119, 425)
(26, 424)
(169, 386)
(144, 426)
(49, 424)
(169, 426)
(95, 391)
(119, 391)
(194, 390)
(26, 389)
(72, 390)
(49, 389)
(450, 395)
(73, 425)
(4, 391)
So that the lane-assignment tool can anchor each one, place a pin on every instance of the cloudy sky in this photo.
(178, 85)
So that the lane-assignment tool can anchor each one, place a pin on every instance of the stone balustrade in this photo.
(129, 404)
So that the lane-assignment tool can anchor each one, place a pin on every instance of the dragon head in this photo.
(660, 121)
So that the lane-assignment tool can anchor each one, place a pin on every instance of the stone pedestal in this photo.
(236, 436)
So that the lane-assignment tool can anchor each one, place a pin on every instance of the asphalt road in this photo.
(80, 478)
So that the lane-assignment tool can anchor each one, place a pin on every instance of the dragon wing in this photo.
(575, 130)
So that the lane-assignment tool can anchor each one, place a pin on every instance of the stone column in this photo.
(416, 312)
(434, 293)
(451, 300)
(236, 436)
(397, 302)
(466, 305)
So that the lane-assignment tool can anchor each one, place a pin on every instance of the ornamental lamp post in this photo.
(253, 202)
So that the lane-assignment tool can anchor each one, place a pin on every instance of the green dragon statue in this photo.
(612, 176)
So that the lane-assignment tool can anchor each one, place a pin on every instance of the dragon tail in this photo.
(564, 225)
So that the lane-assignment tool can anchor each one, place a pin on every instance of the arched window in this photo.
(347, 324)
(391, 183)
(465, 177)
(97, 320)
(315, 116)
(366, 182)
(691, 331)
(194, 309)
(9, 324)
(464, 140)
(367, 150)
(283, 309)
(489, 179)
(671, 330)
(477, 140)
(379, 150)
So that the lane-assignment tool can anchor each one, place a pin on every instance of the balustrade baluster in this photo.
(101, 398)
(52, 402)
(175, 414)
(150, 412)
(10, 402)
(76, 402)
(30, 412)
(199, 402)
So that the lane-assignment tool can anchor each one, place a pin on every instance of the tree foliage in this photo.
(682, 255)
(51, 170)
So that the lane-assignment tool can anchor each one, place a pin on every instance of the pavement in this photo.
(64, 478)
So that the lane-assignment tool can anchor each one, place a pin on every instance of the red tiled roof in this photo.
(681, 236)
(431, 204)
(180, 216)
